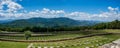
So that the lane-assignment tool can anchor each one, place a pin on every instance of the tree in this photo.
(26, 28)
(27, 34)
(116, 21)
(108, 25)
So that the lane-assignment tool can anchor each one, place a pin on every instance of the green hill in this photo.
(109, 25)
(48, 22)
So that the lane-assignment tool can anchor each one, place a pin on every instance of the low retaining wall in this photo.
(21, 35)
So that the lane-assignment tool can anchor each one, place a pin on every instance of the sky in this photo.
(98, 10)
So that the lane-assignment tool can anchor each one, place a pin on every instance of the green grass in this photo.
(42, 37)
(93, 42)
(55, 36)
(5, 44)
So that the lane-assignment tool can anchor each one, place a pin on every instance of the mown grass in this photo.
(91, 42)
(55, 36)
(5, 44)
(42, 37)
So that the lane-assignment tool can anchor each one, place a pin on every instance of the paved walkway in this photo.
(114, 44)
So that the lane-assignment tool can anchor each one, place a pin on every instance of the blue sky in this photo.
(70, 5)
(103, 10)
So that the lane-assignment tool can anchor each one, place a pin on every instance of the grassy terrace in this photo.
(54, 36)
(88, 42)
(92, 42)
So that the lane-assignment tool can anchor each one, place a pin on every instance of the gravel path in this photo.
(114, 44)
(30, 45)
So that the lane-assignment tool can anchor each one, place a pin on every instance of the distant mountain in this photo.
(5, 21)
(48, 22)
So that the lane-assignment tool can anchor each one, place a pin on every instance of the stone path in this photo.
(30, 45)
(114, 44)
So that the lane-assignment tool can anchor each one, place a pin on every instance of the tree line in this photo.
(107, 25)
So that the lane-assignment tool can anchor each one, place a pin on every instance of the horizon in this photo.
(108, 10)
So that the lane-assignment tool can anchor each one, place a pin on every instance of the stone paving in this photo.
(114, 44)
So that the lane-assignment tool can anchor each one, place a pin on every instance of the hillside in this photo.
(48, 22)
(108, 25)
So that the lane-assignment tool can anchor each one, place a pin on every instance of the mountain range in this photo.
(47, 22)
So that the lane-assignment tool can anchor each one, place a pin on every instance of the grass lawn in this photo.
(55, 36)
(89, 42)
(92, 42)
(5, 44)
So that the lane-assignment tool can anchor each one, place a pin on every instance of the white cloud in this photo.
(110, 8)
(113, 9)
(59, 11)
(13, 7)
(112, 14)
(48, 11)
(45, 10)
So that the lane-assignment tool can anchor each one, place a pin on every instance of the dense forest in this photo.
(105, 25)
(110, 25)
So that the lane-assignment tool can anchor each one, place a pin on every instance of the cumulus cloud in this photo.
(112, 9)
(13, 7)
(48, 13)
(110, 15)
(45, 13)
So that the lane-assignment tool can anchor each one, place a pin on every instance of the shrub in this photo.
(27, 34)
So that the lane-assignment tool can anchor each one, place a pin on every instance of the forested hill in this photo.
(106, 25)
(109, 25)
(49, 22)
